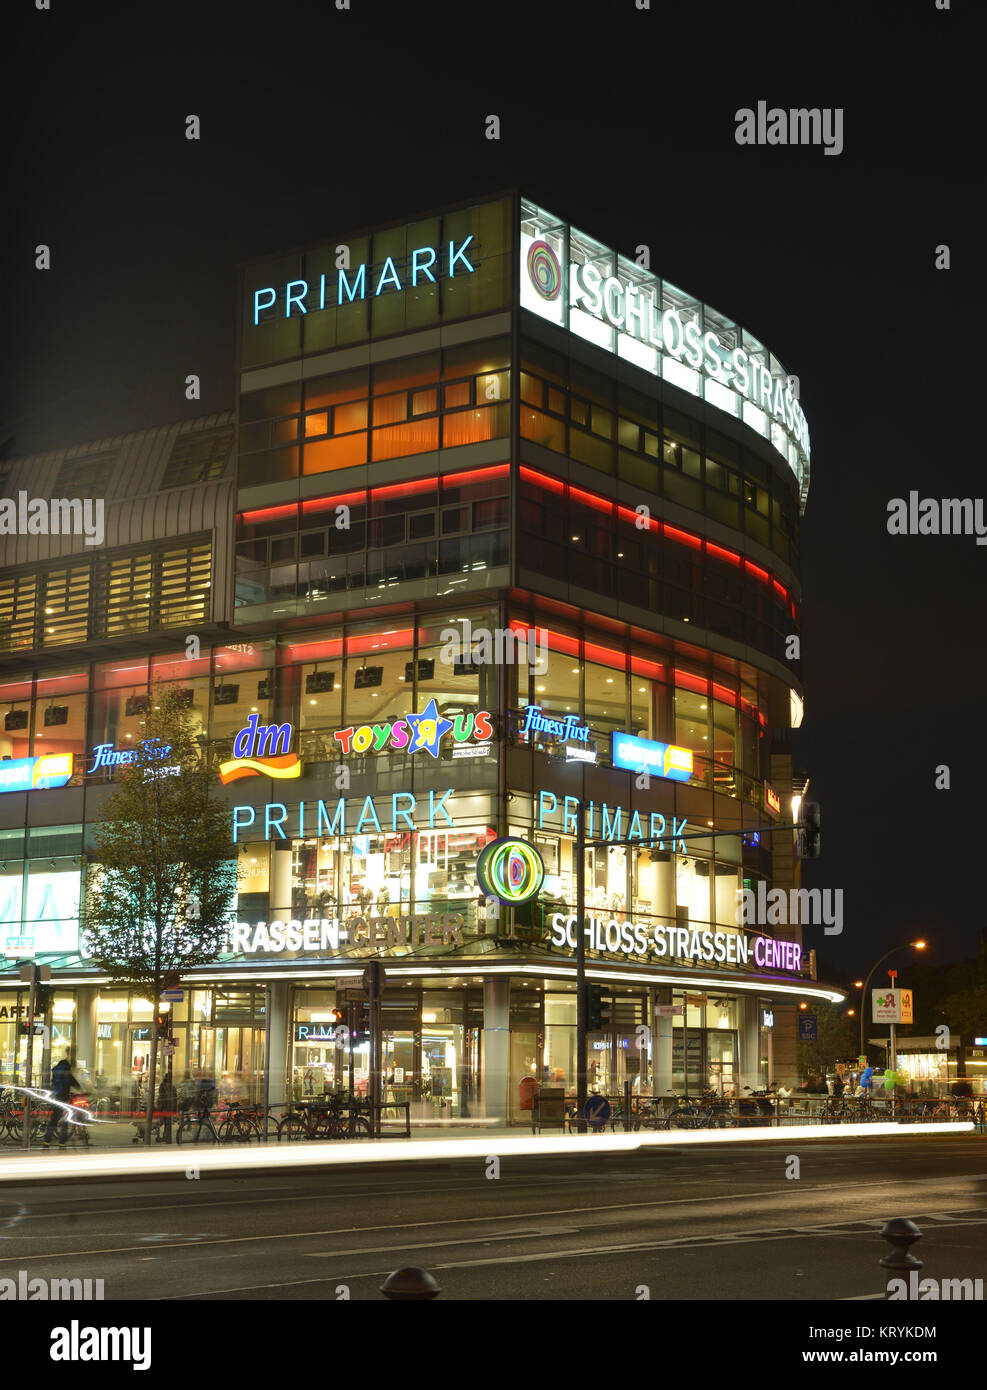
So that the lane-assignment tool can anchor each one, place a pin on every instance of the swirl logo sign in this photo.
(510, 870)
(544, 270)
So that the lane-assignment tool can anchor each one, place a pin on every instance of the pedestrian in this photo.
(863, 1085)
(62, 1084)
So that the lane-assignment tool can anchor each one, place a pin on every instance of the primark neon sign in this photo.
(306, 297)
(316, 818)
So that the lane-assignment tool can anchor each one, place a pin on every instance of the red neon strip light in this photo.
(269, 513)
(640, 667)
(321, 503)
(606, 656)
(380, 641)
(727, 696)
(722, 554)
(403, 489)
(755, 569)
(556, 642)
(591, 499)
(634, 518)
(780, 590)
(690, 682)
(685, 537)
(314, 651)
(542, 480)
(477, 475)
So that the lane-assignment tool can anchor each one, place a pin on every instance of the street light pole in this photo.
(581, 1018)
(914, 945)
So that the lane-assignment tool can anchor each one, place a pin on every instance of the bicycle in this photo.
(325, 1120)
(194, 1119)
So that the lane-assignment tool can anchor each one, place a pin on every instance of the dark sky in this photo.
(316, 122)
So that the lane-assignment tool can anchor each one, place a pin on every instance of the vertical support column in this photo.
(278, 1026)
(662, 1047)
(496, 1047)
(279, 897)
(749, 1070)
(84, 1050)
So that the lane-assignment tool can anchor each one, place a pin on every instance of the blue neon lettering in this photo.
(369, 803)
(543, 798)
(388, 277)
(408, 814)
(239, 824)
(270, 821)
(439, 805)
(258, 305)
(359, 286)
(455, 256)
(337, 826)
(290, 298)
(678, 827)
(415, 267)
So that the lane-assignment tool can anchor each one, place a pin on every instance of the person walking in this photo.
(62, 1084)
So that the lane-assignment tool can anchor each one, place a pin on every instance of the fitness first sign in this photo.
(588, 289)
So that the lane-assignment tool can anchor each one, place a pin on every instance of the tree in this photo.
(837, 1041)
(158, 895)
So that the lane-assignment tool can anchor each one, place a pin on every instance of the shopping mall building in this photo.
(503, 526)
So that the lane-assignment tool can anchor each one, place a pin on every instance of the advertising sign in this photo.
(891, 1006)
(645, 755)
(588, 289)
(35, 774)
(511, 870)
(415, 733)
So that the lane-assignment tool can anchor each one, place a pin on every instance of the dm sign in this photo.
(261, 749)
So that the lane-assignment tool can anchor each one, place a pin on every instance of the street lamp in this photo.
(915, 946)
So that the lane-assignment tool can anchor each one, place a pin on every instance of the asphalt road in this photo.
(723, 1223)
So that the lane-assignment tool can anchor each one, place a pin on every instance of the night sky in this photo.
(316, 123)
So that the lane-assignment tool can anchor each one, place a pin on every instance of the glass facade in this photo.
(405, 514)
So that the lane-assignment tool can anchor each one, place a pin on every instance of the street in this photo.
(683, 1223)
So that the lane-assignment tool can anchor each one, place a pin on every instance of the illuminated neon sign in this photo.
(417, 733)
(771, 799)
(259, 749)
(318, 819)
(36, 774)
(306, 298)
(682, 943)
(105, 755)
(567, 727)
(645, 755)
(510, 869)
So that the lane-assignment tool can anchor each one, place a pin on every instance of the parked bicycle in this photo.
(337, 1117)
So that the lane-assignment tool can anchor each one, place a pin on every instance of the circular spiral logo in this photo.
(544, 270)
(510, 870)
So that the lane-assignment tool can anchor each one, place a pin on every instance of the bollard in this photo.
(901, 1262)
(410, 1283)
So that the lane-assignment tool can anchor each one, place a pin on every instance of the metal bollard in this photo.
(410, 1283)
(901, 1262)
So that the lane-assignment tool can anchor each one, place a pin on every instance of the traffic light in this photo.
(163, 1020)
(362, 1022)
(809, 838)
(598, 1009)
(337, 1016)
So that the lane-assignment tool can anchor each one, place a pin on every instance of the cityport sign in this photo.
(679, 943)
(645, 755)
(36, 774)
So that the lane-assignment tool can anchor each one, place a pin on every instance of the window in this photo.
(199, 457)
(84, 476)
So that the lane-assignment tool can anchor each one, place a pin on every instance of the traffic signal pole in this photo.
(580, 971)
